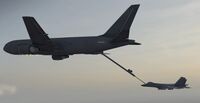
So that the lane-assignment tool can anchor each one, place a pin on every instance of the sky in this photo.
(168, 30)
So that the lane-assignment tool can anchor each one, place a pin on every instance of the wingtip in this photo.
(135, 5)
(27, 17)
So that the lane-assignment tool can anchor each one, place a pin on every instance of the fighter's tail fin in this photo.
(36, 33)
(120, 29)
(181, 82)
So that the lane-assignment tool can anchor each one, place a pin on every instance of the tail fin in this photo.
(181, 82)
(36, 33)
(120, 29)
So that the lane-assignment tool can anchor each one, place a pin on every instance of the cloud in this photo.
(7, 89)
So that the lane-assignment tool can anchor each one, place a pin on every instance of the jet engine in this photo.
(59, 57)
(33, 49)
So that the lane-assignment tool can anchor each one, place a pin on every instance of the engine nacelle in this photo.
(33, 50)
(170, 88)
(59, 57)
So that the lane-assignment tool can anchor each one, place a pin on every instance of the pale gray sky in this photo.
(168, 30)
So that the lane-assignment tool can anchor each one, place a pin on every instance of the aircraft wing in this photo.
(164, 87)
(38, 37)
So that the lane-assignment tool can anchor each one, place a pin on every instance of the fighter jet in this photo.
(60, 48)
(180, 84)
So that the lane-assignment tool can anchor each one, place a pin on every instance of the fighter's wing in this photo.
(38, 37)
(166, 86)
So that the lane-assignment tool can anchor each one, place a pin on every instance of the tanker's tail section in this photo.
(119, 31)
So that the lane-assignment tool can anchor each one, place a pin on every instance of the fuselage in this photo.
(68, 46)
(161, 86)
